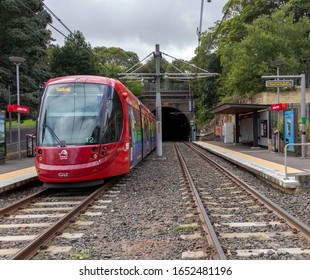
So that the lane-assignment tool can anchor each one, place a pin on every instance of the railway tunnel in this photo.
(175, 104)
(175, 125)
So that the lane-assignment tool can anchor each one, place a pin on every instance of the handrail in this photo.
(285, 154)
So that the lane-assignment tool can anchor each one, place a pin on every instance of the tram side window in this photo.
(113, 120)
(135, 125)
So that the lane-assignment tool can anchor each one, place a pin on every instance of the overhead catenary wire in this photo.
(61, 22)
(34, 13)
(185, 76)
(55, 16)
(190, 64)
(57, 30)
(73, 35)
(138, 64)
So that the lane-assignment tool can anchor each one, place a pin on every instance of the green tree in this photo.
(268, 38)
(300, 9)
(74, 58)
(23, 33)
(115, 60)
(205, 91)
(243, 12)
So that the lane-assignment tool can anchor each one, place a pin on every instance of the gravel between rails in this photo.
(296, 204)
(14, 195)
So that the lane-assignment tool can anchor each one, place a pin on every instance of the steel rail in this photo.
(15, 206)
(31, 249)
(216, 243)
(291, 220)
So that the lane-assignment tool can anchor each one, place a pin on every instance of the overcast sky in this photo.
(137, 25)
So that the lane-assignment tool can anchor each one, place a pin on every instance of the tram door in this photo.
(135, 136)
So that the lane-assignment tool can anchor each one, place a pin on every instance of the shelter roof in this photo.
(231, 108)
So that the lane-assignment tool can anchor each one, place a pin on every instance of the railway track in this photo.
(37, 219)
(239, 222)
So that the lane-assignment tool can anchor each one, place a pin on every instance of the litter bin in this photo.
(2, 153)
(30, 142)
(274, 138)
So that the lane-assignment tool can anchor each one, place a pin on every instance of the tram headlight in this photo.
(94, 156)
(95, 153)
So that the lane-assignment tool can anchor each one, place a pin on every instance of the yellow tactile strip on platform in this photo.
(11, 174)
(262, 162)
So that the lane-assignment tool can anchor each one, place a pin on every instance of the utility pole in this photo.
(159, 148)
(199, 29)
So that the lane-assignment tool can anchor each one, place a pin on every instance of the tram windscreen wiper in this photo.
(62, 143)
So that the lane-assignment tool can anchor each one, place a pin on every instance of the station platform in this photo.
(14, 173)
(266, 164)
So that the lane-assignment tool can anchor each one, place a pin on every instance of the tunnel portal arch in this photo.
(175, 125)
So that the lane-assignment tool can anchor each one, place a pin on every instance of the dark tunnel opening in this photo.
(175, 125)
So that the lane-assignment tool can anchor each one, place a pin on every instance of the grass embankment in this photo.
(24, 123)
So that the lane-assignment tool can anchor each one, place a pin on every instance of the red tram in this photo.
(90, 128)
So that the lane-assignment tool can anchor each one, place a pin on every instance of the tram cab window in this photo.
(112, 118)
(71, 114)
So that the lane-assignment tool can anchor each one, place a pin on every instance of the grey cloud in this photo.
(136, 25)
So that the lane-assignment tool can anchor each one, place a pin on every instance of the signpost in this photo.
(302, 78)
(278, 107)
(18, 109)
(279, 83)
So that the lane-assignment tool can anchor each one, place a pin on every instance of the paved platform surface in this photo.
(264, 163)
(14, 173)
(15, 164)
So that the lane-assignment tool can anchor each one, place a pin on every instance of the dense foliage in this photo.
(23, 33)
(252, 35)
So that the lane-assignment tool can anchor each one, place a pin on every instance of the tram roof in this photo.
(232, 109)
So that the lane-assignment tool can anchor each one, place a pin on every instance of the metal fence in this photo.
(13, 147)
(27, 146)
(151, 87)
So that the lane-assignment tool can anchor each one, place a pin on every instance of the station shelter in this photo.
(250, 124)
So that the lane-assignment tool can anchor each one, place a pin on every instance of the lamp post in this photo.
(278, 64)
(200, 22)
(18, 61)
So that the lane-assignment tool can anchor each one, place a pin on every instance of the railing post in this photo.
(285, 161)
(285, 155)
